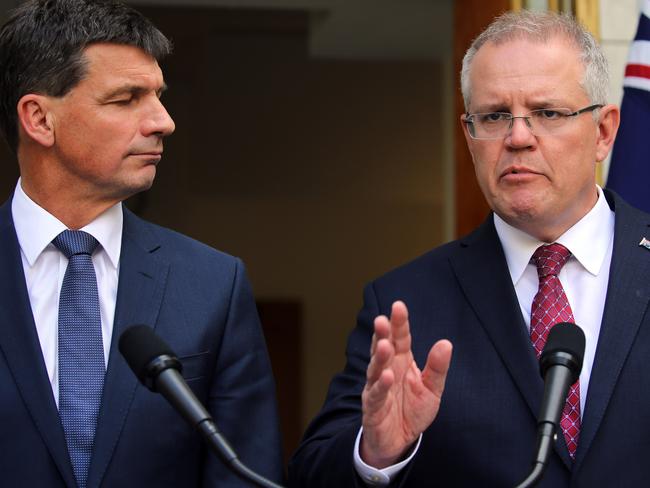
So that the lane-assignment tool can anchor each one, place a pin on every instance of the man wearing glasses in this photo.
(557, 248)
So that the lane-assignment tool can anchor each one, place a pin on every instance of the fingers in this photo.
(395, 329)
(435, 370)
(380, 360)
(379, 377)
(382, 331)
(375, 395)
(391, 337)
(400, 331)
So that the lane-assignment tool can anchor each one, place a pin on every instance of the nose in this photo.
(158, 122)
(520, 134)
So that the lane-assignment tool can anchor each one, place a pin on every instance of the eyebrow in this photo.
(549, 103)
(131, 90)
(533, 105)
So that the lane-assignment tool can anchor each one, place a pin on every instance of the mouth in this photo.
(519, 175)
(153, 156)
(517, 170)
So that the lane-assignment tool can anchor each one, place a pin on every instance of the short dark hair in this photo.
(42, 45)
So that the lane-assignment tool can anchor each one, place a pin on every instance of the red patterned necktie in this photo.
(550, 306)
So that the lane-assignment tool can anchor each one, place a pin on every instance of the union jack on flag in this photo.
(629, 173)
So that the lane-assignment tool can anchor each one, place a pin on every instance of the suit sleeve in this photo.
(242, 393)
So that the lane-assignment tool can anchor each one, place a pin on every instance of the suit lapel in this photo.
(625, 306)
(482, 271)
(21, 348)
(142, 281)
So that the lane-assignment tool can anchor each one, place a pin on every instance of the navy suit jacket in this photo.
(199, 301)
(484, 434)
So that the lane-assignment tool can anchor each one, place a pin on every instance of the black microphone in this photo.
(158, 368)
(560, 364)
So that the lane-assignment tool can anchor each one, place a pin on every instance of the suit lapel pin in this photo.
(645, 243)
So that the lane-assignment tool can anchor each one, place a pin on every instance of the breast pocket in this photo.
(195, 366)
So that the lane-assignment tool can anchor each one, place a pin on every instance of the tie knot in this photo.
(73, 242)
(550, 258)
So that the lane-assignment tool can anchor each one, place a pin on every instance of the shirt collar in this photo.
(588, 240)
(36, 227)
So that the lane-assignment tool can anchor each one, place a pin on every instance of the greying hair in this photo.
(541, 27)
(42, 48)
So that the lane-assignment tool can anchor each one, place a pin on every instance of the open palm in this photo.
(399, 401)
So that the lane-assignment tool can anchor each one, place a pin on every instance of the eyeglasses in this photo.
(542, 122)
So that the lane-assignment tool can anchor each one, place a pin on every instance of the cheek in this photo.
(581, 148)
(96, 152)
(573, 166)
(107, 145)
(79, 135)
(485, 162)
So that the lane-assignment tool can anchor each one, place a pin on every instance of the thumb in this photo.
(435, 370)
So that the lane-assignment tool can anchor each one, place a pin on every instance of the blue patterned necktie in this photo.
(81, 351)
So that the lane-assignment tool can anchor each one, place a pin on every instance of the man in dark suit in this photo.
(80, 93)
(403, 412)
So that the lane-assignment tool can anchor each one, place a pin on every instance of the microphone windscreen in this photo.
(566, 338)
(140, 345)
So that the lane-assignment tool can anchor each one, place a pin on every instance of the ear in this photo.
(610, 117)
(36, 119)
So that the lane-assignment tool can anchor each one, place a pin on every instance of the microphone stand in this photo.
(219, 445)
(560, 365)
(158, 368)
(546, 437)
(182, 398)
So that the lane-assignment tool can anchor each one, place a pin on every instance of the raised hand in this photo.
(399, 401)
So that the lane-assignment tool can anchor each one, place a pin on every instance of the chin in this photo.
(145, 180)
(519, 212)
(134, 187)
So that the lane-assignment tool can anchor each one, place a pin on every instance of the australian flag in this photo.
(629, 173)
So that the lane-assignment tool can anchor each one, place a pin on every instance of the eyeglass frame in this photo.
(467, 119)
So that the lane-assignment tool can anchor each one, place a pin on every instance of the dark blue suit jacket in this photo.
(199, 301)
(484, 434)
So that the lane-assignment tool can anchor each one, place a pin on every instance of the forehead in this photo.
(113, 64)
(527, 72)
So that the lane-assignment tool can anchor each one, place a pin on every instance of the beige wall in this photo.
(320, 174)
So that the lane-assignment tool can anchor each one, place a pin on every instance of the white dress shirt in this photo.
(44, 267)
(584, 278)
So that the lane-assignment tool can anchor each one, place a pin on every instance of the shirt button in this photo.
(373, 478)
